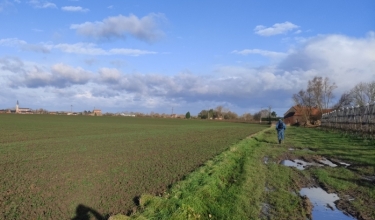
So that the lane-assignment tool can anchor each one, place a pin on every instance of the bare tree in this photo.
(358, 94)
(257, 116)
(322, 91)
(327, 95)
(305, 100)
(219, 111)
(370, 92)
(345, 100)
(319, 94)
(247, 117)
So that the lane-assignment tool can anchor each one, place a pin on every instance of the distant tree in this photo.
(319, 93)
(257, 116)
(363, 93)
(203, 114)
(187, 115)
(230, 115)
(247, 117)
(211, 114)
(322, 92)
(273, 114)
(219, 111)
(345, 100)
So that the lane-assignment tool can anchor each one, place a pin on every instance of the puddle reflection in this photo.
(327, 162)
(323, 202)
(299, 164)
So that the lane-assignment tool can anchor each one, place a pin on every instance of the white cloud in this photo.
(77, 48)
(265, 53)
(145, 28)
(278, 28)
(80, 48)
(42, 4)
(92, 49)
(30, 75)
(110, 75)
(14, 42)
(74, 9)
(60, 76)
(130, 52)
(345, 60)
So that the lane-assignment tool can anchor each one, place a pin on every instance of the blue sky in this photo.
(146, 56)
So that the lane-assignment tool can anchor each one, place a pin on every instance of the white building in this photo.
(22, 110)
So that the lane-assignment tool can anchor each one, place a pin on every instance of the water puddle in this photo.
(323, 202)
(327, 162)
(344, 164)
(299, 164)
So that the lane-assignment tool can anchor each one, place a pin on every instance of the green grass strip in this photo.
(228, 187)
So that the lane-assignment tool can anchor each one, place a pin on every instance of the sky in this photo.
(179, 56)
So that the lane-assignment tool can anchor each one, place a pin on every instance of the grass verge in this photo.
(231, 186)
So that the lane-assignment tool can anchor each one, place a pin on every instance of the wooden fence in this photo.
(358, 120)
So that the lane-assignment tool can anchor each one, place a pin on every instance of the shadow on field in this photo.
(87, 213)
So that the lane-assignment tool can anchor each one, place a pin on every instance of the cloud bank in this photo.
(146, 28)
(77, 48)
(345, 60)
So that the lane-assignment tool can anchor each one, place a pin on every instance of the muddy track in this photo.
(344, 203)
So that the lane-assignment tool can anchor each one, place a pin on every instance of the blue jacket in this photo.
(283, 126)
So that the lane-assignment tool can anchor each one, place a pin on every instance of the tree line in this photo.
(221, 113)
(319, 94)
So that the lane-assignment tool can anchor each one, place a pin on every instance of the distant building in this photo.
(97, 112)
(4, 111)
(297, 114)
(127, 115)
(22, 110)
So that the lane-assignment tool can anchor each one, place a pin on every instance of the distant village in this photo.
(295, 115)
(94, 112)
(19, 110)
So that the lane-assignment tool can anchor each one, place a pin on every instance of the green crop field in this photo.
(54, 167)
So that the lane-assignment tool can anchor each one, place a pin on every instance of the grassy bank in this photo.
(248, 182)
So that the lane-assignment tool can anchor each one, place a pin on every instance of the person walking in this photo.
(280, 128)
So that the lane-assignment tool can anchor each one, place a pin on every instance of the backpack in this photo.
(280, 125)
